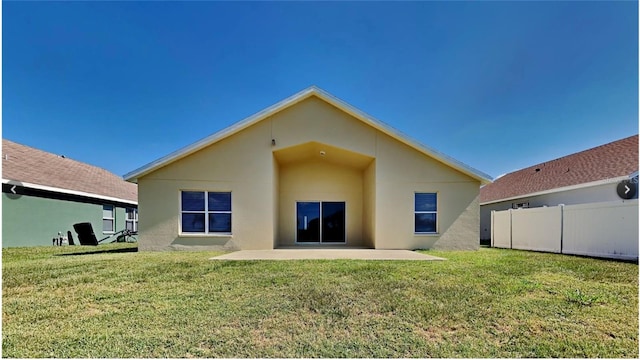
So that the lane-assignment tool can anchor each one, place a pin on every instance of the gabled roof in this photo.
(46, 171)
(608, 161)
(290, 101)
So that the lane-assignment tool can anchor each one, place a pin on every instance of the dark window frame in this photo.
(417, 213)
(208, 213)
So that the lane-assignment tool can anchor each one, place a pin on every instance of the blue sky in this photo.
(497, 85)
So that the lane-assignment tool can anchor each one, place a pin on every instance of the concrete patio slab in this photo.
(326, 254)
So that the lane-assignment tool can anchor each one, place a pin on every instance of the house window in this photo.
(108, 219)
(205, 212)
(131, 220)
(522, 205)
(426, 213)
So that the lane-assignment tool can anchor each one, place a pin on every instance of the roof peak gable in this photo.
(298, 97)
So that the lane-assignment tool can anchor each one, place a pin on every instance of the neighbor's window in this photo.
(205, 212)
(522, 205)
(426, 213)
(108, 219)
(131, 220)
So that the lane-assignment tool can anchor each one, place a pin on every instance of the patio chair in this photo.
(86, 236)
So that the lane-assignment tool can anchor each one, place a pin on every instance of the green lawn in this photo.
(487, 303)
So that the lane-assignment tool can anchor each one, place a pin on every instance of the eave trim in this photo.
(68, 191)
(560, 189)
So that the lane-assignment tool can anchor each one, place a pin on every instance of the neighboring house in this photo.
(308, 170)
(53, 192)
(584, 177)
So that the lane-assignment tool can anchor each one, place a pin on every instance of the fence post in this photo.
(510, 228)
(561, 227)
(493, 214)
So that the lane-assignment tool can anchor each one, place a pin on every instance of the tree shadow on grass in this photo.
(105, 251)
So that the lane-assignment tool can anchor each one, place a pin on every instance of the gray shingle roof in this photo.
(29, 165)
(615, 159)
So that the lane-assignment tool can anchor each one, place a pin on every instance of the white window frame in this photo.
(426, 212)
(128, 220)
(112, 219)
(206, 213)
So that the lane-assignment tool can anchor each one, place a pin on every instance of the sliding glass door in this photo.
(333, 222)
(308, 222)
(321, 222)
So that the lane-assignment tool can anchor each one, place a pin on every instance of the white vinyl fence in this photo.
(606, 229)
(502, 220)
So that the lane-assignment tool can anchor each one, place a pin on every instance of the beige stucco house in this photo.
(309, 170)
